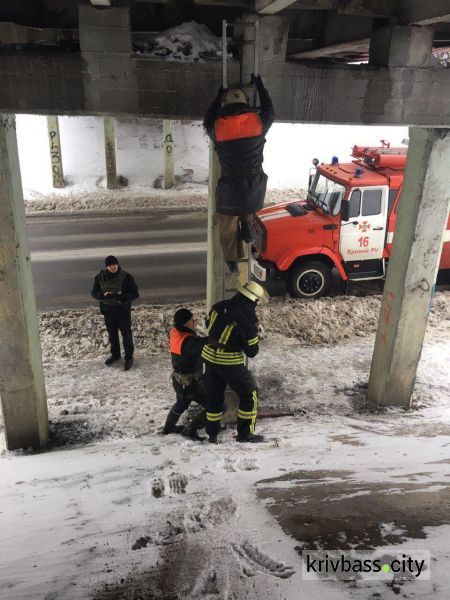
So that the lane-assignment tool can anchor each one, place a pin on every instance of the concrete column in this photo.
(416, 250)
(273, 38)
(169, 148)
(109, 77)
(22, 390)
(55, 152)
(215, 287)
(110, 153)
(401, 46)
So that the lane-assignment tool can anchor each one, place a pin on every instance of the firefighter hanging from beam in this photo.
(238, 132)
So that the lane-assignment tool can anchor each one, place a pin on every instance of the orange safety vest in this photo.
(236, 127)
(176, 340)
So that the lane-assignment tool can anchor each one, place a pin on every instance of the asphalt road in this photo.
(165, 251)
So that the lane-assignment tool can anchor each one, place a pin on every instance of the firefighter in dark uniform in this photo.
(232, 333)
(239, 134)
(116, 289)
(187, 377)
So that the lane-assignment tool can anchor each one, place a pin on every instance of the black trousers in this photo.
(241, 381)
(115, 321)
(185, 395)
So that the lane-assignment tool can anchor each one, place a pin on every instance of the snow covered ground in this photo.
(115, 511)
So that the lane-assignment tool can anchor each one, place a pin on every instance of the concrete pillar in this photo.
(22, 390)
(55, 152)
(273, 38)
(110, 153)
(401, 46)
(215, 286)
(416, 249)
(169, 148)
(109, 77)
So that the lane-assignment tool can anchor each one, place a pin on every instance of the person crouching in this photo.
(187, 377)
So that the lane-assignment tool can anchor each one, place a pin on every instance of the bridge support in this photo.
(22, 389)
(55, 152)
(421, 223)
(110, 153)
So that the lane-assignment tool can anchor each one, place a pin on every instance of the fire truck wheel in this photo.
(310, 279)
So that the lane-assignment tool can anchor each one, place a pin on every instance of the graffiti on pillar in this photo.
(168, 143)
(169, 146)
(55, 156)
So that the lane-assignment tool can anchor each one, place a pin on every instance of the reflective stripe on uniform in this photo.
(214, 416)
(221, 357)
(253, 341)
(243, 414)
(225, 336)
(212, 319)
(255, 409)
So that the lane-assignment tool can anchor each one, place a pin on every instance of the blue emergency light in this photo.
(335, 160)
(359, 172)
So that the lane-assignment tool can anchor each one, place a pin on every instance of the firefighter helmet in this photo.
(234, 96)
(254, 291)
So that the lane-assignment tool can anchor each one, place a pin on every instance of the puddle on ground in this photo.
(329, 510)
(349, 440)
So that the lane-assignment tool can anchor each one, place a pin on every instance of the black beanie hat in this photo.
(182, 316)
(111, 260)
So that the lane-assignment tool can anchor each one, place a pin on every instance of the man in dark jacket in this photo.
(187, 377)
(233, 333)
(239, 134)
(116, 289)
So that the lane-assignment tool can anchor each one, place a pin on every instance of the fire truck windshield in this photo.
(326, 194)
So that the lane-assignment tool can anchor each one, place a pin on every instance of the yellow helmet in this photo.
(254, 291)
(234, 96)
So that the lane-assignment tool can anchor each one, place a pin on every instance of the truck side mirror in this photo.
(345, 210)
(315, 162)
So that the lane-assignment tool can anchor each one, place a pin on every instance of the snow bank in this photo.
(188, 42)
(80, 333)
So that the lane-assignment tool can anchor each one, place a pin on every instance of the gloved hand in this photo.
(256, 79)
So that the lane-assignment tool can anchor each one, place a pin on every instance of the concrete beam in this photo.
(401, 46)
(22, 389)
(421, 222)
(424, 12)
(361, 45)
(271, 7)
(167, 90)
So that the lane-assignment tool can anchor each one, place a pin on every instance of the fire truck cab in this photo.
(347, 221)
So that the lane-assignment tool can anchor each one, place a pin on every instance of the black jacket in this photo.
(190, 359)
(242, 187)
(121, 301)
(238, 317)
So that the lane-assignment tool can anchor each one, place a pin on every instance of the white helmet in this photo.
(254, 291)
(234, 96)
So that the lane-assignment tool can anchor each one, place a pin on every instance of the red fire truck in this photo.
(347, 221)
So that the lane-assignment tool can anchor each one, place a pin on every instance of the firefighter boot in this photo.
(171, 424)
(198, 422)
(111, 359)
(252, 438)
